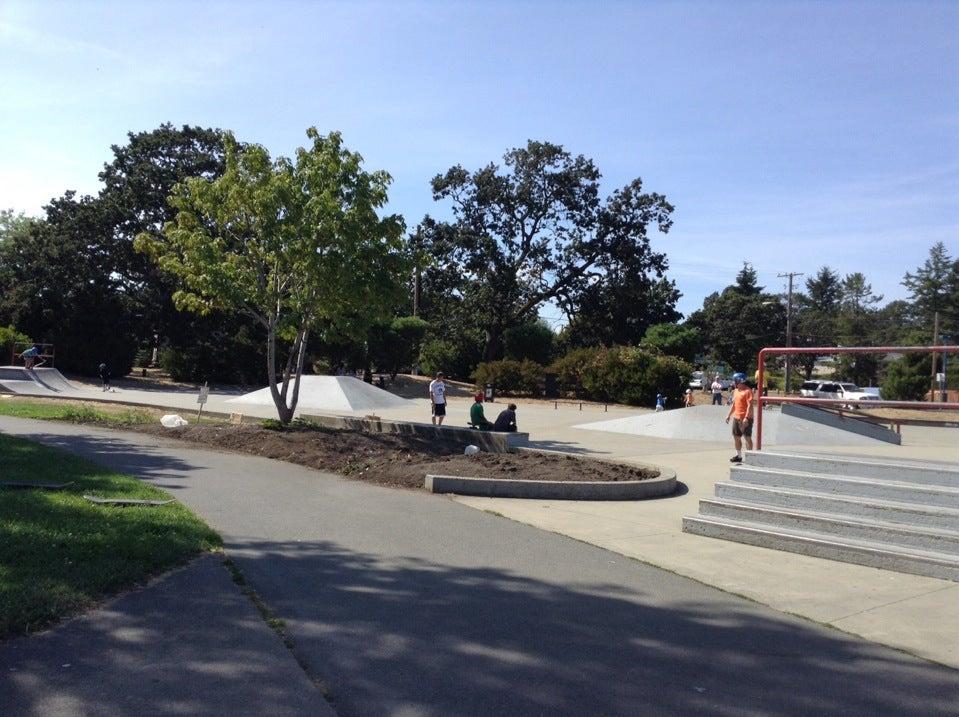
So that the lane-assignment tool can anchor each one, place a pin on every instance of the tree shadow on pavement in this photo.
(415, 637)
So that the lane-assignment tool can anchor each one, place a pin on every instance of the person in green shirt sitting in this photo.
(477, 417)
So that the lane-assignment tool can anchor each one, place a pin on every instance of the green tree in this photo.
(858, 324)
(538, 231)
(533, 340)
(817, 315)
(934, 287)
(907, 378)
(395, 344)
(58, 286)
(739, 321)
(297, 245)
(620, 309)
(137, 182)
(674, 340)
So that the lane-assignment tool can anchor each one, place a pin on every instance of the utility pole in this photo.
(789, 326)
(935, 342)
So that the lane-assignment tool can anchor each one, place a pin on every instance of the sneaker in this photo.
(736, 459)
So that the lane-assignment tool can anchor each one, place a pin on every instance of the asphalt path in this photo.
(405, 603)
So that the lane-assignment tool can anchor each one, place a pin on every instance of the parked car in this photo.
(697, 381)
(837, 390)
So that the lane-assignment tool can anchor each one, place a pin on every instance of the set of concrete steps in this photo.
(897, 515)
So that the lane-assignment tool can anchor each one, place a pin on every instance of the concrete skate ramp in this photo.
(331, 393)
(707, 423)
(36, 382)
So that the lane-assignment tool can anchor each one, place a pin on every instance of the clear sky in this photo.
(789, 134)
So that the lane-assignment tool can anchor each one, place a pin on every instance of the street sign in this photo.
(204, 393)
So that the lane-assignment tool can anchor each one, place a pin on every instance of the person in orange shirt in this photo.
(741, 412)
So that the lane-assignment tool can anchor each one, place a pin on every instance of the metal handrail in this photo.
(827, 350)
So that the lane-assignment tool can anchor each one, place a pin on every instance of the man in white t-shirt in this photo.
(717, 389)
(438, 399)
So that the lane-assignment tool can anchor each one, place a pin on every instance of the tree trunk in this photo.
(494, 344)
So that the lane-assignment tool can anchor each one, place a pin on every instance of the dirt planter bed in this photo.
(658, 482)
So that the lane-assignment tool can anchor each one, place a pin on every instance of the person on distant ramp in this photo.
(741, 413)
(31, 357)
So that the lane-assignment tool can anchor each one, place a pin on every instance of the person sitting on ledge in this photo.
(506, 420)
(477, 417)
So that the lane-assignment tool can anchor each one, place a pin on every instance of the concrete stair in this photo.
(896, 515)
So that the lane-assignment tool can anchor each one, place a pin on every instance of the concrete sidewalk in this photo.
(188, 643)
(910, 612)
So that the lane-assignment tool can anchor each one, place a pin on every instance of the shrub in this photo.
(570, 368)
(456, 359)
(9, 337)
(623, 375)
(533, 340)
(511, 377)
(907, 379)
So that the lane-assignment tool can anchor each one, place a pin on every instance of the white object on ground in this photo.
(331, 393)
(471, 450)
(172, 420)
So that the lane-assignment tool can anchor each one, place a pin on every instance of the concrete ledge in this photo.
(843, 423)
(487, 440)
(664, 484)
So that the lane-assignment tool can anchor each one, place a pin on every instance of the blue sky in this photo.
(789, 134)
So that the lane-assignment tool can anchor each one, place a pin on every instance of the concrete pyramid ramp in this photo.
(331, 393)
(707, 423)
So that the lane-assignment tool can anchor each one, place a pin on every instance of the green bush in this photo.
(9, 337)
(533, 341)
(511, 378)
(455, 359)
(907, 379)
(623, 375)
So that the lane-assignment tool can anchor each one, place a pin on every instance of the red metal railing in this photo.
(827, 350)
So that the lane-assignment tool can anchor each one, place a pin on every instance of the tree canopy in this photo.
(297, 245)
(535, 230)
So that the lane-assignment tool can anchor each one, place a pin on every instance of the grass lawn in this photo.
(75, 412)
(59, 553)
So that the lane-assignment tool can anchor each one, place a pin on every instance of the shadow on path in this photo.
(419, 637)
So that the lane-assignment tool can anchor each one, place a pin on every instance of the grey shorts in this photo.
(743, 427)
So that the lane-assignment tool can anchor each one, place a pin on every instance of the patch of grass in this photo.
(73, 413)
(59, 553)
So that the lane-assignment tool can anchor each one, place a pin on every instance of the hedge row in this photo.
(612, 375)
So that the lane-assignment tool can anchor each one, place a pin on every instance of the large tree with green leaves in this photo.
(934, 287)
(817, 315)
(59, 285)
(740, 320)
(535, 230)
(296, 245)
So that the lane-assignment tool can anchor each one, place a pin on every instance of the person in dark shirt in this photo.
(506, 420)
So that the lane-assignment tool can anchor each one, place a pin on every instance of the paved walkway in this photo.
(407, 603)
(188, 644)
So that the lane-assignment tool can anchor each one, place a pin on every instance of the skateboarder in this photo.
(477, 416)
(741, 413)
(104, 371)
(31, 357)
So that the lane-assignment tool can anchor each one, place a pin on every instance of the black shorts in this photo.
(439, 409)
(743, 427)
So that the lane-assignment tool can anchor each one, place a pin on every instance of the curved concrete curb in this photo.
(664, 484)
